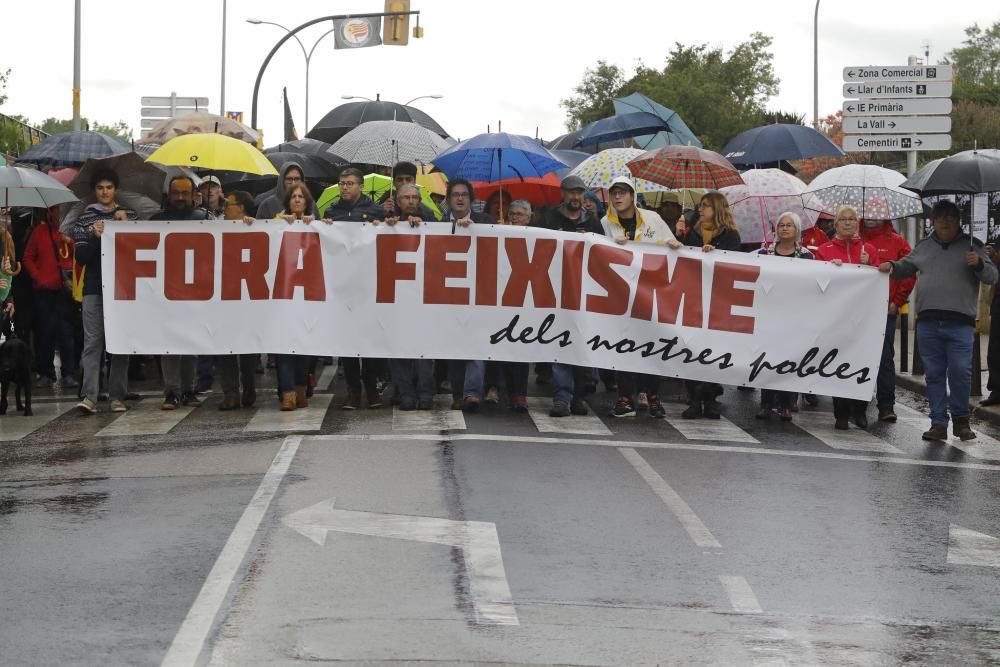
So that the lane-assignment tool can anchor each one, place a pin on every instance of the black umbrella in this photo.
(968, 172)
(570, 141)
(777, 142)
(341, 120)
(72, 149)
(318, 174)
(624, 126)
(306, 146)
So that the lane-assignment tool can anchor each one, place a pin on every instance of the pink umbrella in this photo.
(64, 175)
(766, 194)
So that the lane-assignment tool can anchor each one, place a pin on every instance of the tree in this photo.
(977, 66)
(594, 95)
(3, 85)
(119, 129)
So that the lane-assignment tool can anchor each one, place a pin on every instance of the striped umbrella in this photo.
(72, 149)
(685, 167)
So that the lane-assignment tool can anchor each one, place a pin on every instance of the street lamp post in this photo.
(422, 97)
(222, 91)
(816, 66)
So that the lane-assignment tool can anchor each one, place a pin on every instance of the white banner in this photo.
(492, 292)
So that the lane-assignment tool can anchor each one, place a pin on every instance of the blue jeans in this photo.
(885, 383)
(405, 371)
(475, 379)
(946, 348)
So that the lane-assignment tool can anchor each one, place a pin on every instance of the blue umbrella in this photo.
(497, 156)
(780, 141)
(571, 158)
(621, 127)
(678, 133)
(72, 149)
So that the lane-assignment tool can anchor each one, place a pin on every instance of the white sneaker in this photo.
(86, 406)
(118, 406)
(493, 396)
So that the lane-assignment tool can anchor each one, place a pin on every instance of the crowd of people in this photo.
(57, 301)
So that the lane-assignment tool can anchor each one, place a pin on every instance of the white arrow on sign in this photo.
(478, 540)
(896, 142)
(879, 89)
(899, 73)
(896, 124)
(935, 106)
(968, 547)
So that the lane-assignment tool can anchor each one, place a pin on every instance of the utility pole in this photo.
(816, 66)
(222, 92)
(76, 66)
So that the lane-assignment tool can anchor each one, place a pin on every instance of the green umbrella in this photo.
(374, 186)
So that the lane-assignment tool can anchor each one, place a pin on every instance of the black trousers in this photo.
(993, 351)
(847, 408)
(629, 384)
(702, 392)
(360, 372)
(780, 400)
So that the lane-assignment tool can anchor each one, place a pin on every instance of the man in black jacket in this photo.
(353, 204)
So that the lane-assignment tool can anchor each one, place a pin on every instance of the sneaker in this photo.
(86, 407)
(519, 404)
(492, 396)
(641, 402)
(470, 404)
(170, 402)
(559, 410)
(204, 386)
(623, 407)
(579, 407)
(118, 406)
(712, 410)
(188, 399)
(656, 410)
(68, 382)
(692, 411)
(374, 397)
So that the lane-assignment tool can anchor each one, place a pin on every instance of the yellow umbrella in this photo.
(435, 182)
(212, 151)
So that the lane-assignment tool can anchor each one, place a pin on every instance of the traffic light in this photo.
(396, 29)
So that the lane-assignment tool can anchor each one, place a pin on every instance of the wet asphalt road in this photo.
(439, 538)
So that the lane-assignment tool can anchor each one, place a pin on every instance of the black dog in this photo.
(15, 366)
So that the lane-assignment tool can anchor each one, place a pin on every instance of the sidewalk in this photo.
(918, 383)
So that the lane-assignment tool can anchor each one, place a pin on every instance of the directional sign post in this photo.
(915, 89)
(899, 73)
(897, 142)
(896, 124)
(898, 107)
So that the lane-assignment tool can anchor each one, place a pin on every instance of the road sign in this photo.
(896, 124)
(164, 112)
(881, 89)
(899, 73)
(200, 102)
(896, 142)
(935, 106)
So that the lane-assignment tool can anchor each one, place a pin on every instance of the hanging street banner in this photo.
(879, 89)
(896, 124)
(357, 33)
(935, 106)
(492, 292)
(899, 73)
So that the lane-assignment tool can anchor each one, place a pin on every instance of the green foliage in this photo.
(119, 129)
(4, 76)
(594, 95)
(977, 66)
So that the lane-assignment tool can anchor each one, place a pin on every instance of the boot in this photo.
(300, 397)
(937, 432)
(287, 401)
(960, 427)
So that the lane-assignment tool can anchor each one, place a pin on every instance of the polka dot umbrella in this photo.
(765, 196)
(873, 191)
(599, 170)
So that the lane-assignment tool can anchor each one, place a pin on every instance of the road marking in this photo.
(741, 596)
(968, 547)
(983, 447)
(697, 530)
(491, 599)
(820, 426)
(679, 446)
(189, 642)
(706, 429)
(14, 425)
(326, 377)
(146, 419)
(538, 409)
(270, 418)
(441, 418)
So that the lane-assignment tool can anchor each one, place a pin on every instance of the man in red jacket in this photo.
(891, 247)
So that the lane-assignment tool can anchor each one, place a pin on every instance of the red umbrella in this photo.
(685, 167)
(543, 191)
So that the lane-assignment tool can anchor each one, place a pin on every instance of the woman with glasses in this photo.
(846, 247)
(291, 174)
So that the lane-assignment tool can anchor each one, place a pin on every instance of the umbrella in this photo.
(212, 151)
(64, 174)
(344, 118)
(620, 127)
(570, 141)
(873, 191)
(71, 149)
(497, 156)
(373, 186)
(434, 182)
(386, 142)
(765, 195)
(315, 169)
(598, 171)
(685, 167)
(678, 133)
(689, 197)
(311, 147)
(143, 206)
(198, 122)
(570, 157)
(134, 175)
(20, 186)
(780, 141)
(543, 191)
(968, 172)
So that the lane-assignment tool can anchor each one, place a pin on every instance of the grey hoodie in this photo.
(948, 288)
(275, 204)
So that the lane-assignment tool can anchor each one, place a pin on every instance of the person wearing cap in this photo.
(625, 223)
(212, 199)
(570, 215)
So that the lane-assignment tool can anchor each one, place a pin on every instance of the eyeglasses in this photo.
(349, 184)
(292, 179)
(848, 219)
(619, 192)
(458, 194)
(704, 205)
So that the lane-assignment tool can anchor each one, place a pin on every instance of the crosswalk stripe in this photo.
(705, 429)
(441, 418)
(538, 409)
(14, 425)
(146, 418)
(820, 426)
(269, 417)
(983, 447)
(326, 377)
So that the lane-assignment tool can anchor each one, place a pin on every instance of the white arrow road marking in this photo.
(968, 547)
(491, 599)
(741, 596)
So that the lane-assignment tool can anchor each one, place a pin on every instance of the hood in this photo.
(280, 188)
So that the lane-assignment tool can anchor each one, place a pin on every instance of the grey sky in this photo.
(508, 61)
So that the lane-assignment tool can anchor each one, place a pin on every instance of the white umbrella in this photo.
(27, 187)
(873, 191)
(600, 169)
(386, 142)
(765, 195)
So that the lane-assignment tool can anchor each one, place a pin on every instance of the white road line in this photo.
(706, 429)
(326, 377)
(820, 426)
(697, 530)
(441, 418)
(538, 409)
(14, 425)
(146, 419)
(270, 418)
(970, 547)
(741, 596)
(983, 447)
(189, 642)
(679, 446)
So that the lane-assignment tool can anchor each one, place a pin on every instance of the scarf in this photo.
(708, 232)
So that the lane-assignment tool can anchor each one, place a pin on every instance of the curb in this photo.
(917, 384)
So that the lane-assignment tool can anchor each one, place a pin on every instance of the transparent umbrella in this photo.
(764, 197)
(873, 191)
